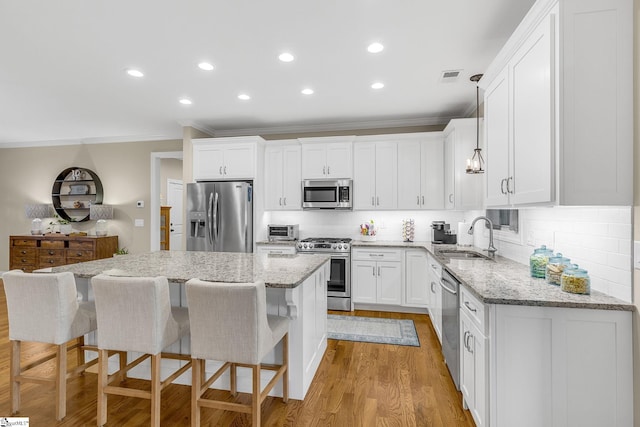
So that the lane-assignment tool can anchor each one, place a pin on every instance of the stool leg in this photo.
(155, 390)
(255, 399)
(81, 359)
(122, 355)
(103, 374)
(233, 380)
(196, 385)
(61, 381)
(285, 362)
(14, 391)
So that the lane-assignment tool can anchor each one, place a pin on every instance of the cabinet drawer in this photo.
(25, 242)
(53, 244)
(51, 261)
(24, 258)
(79, 255)
(51, 253)
(377, 255)
(470, 305)
(85, 246)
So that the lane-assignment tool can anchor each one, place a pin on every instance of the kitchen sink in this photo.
(461, 254)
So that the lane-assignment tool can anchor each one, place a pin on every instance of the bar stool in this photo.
(43, 307)
(135, 314)
(229, 323)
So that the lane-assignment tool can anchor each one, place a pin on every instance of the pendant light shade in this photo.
(476, 163)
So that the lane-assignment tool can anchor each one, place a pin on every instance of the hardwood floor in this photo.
(357, 384)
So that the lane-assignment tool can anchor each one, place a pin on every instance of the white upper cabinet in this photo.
(327, 157)
(375, 175)
(559, 98)
(421, 155)
(225, 158)
(462, 191)
(283, 175)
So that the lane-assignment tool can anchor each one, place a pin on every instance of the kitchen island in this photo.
(296, 288)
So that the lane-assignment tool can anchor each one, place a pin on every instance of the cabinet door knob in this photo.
(509, 189)
(451, 198)
(328, 170)
(502, 190)
(466, 304)
(418, 200)
(324, 170)
(378, 200)
(225, 170)
(374, 271)
(423, 200)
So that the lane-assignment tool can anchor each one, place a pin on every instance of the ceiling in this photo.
(63, 80)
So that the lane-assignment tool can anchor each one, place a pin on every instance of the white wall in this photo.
(597, 239)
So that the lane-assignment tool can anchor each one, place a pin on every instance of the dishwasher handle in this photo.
(446, 288)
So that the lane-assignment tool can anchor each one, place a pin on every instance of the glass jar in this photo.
(538, 261)
(555, 267)
(575, 280)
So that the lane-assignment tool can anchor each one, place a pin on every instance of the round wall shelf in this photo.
(74, 190)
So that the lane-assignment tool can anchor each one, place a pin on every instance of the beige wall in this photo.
(27, 175)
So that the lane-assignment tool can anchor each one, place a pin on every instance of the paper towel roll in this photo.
(464, 238)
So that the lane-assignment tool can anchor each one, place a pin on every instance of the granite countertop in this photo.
(277, 271)
(503, 281)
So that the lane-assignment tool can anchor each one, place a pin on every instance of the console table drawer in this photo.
(53, 244)
(74, 255)
(81, 245)
(25, 242)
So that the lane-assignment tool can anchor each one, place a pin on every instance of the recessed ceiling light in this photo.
(307, 91)
(205, 66)
(185, 101)
(377, 85)
(134, 73)
(285, 57)
(375, 47)
(244, 97)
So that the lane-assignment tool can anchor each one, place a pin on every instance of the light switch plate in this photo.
(636, 255)
(139, 222)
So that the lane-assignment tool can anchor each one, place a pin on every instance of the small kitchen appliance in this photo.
(441, 233)
(277, 232)
(339, 283)
(327, 194)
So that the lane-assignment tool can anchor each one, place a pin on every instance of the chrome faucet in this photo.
(491, 250)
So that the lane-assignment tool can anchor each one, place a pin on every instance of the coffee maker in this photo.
(441, 233)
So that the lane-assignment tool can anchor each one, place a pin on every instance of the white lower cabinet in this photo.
(417, 292)
(376, 276)
(474, 357)
(560, 367)
(435, 307)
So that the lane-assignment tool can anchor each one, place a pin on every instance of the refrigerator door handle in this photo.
(209, 219)
(215, 218)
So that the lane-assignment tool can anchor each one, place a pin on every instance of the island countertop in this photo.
(277, 271)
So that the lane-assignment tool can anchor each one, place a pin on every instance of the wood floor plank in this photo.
(357, 384)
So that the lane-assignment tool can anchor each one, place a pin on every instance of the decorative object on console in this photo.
(101, 213)
(408, 230)
(36, 212)
(476, 163)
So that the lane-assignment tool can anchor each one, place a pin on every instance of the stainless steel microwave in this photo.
(327, 194)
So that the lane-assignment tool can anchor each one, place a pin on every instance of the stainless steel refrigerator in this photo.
(220, 216)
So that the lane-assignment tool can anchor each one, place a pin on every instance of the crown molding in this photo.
(329, 127)
(89, 141)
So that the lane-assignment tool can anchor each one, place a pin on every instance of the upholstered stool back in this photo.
(43, 307)
(134, 314)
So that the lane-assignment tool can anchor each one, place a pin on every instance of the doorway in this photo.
(174, 199)
(158, 196)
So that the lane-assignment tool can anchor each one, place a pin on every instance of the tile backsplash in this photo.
(599, 239)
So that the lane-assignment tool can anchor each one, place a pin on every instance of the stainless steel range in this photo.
(339, 284)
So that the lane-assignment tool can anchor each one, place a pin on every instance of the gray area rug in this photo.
(370, 329)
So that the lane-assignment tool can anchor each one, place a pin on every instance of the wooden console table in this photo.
(30, 253)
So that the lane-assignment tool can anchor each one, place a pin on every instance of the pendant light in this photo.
(476, 163)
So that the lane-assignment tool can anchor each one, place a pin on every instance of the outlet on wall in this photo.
(531, 238)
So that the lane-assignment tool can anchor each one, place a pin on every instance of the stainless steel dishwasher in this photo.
(451, 324)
